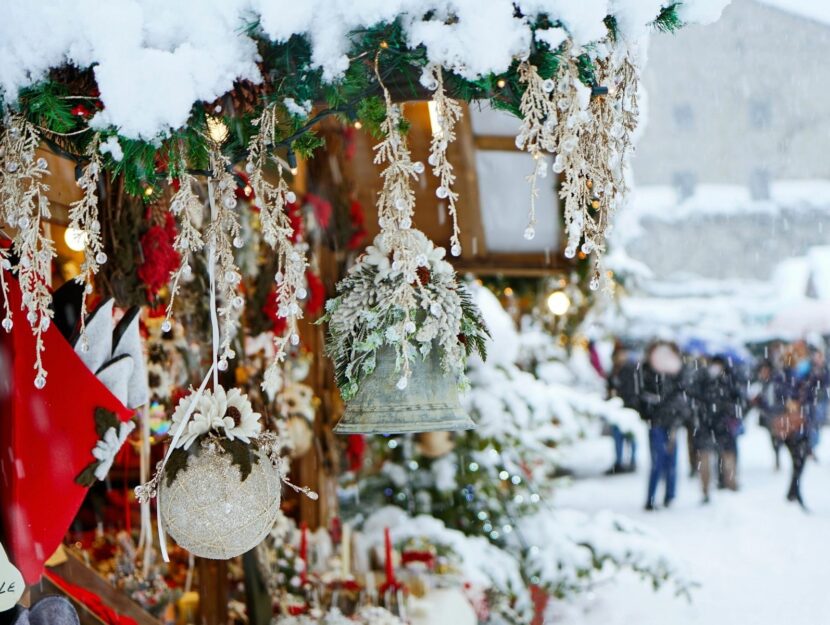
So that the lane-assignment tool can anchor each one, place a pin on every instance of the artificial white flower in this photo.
(204, 417)
(378, 255)
(108, 447)
(236, 415)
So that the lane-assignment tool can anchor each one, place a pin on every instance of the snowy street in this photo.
(758, 559)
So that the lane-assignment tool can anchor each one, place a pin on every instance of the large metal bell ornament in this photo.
(212, 512)
(428, 403)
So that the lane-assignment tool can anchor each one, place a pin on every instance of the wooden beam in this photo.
(473, 239)
(500, 143)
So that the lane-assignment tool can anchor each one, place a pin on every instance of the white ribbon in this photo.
(212, 372)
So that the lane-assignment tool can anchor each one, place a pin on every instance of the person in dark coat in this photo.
(719, 422)
(790, 425)
(664, 406)
(766, 398)
(624, 382)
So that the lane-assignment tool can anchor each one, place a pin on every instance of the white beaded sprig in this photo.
(536, 131)
(189, 210)
(83, 218)
(25, 206)
(278, 234)
(447, 113)
(223, 235)
(396, 207)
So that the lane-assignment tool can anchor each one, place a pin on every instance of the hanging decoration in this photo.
(83, 219)
(25, 207)
(400, 315)
(279, 233)
(447, 114)
(541, 71)
(218, 486)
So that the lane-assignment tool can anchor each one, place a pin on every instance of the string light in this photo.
(217, 129)
(501, 83)
(358, 125)
(559, 303)
(75, 239)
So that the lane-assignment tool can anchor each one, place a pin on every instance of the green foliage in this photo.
(243, 455)
(668, 21)
(47, 106)
(289, 73)
(176, 463)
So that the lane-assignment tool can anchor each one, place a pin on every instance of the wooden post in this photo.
(213, 591)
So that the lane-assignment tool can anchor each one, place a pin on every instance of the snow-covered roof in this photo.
(662, 203)
(153, 59)
(818, 10)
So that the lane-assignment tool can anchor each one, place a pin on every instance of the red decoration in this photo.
(358, 220)
(356, 451)
(160, 258)
(47, 437)
(295, 218)
(391, 582)
(79, 110)
(322, 209)
(349, 139)
(90, 600)
(316, 294)
(424, 557)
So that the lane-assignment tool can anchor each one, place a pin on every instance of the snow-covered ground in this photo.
(759, 559)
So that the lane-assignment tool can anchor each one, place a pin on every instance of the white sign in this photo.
(11, 583)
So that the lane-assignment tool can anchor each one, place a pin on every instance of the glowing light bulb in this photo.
(559, 303)
(434, 119)
(75, 239)
(217, 129)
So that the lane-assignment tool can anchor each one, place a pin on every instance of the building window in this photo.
(684, 117)
(760, 113)
(759, 184)
(684, 183)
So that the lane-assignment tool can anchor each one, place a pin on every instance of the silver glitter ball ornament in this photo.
(210, 511)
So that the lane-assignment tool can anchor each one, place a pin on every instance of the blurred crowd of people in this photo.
(710, 397)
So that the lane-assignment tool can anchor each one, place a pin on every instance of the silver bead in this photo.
(11, 167)
(418, 166)
(402, 383)
(31, 316)
(249, 168)
(238, 242)
(455, 250)
(295, 339)
(406, 223)
(100, 258)
(7, 324)
(222, 365)
(238, 302)
(548, 85)
(570, 251)
(400, 204)
(187, 270)
(442, 192)
(230, 202)
(529, 233)
(302, 293)
(290, 197)
(40, 381)
(594, 284)
(42, 163)
(166, 326)
(24, 222)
